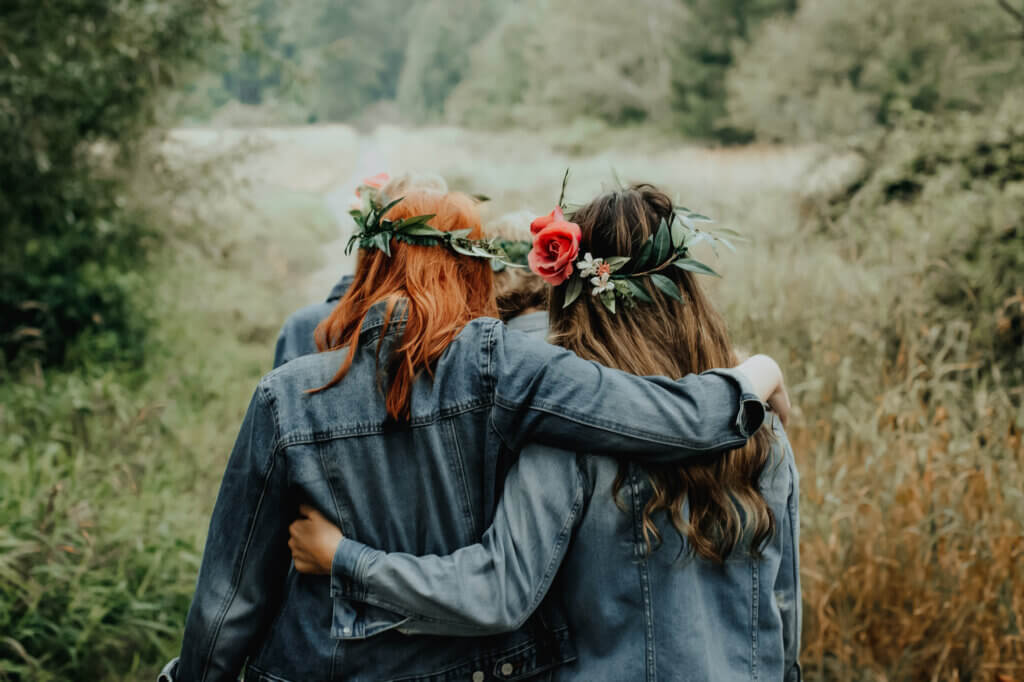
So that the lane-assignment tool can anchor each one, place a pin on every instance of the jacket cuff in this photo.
(169, 671)
(751, 411)
(348, 568)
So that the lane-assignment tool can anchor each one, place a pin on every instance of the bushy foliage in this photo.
(954, 187)
(77, 86)
(837, 68)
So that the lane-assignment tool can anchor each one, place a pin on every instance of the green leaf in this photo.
(462, 246)
(637, 291)
(678, 231)
(644, 256)
(482, 252)
(461, 234)
(382, 240)
(694, 266)
(480, 198)
(565, 183)
(572, 290)
(608, 298)
(389, 206)
(420, 231)
(616, 262)
(732, 233)
(662, 243)
(670, 288)
(726, 243)
(414, 220)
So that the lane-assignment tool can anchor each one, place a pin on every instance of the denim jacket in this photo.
(427, 486)
(296, 336)
(634, 616)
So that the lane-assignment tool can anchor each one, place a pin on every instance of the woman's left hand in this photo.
(313, 542)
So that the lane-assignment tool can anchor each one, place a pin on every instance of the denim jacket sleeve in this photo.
(547, 394)
(787, 584)
(492, 586)
(243, 568)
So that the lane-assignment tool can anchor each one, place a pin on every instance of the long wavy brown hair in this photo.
(667, 338)
(442, 292)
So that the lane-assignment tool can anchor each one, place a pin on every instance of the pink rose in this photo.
(373, 182)
(555, 249)
(542, 222)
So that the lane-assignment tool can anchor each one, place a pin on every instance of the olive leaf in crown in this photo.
(373, 231)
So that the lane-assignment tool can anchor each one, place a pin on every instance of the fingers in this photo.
(779, 402)
(307, 511)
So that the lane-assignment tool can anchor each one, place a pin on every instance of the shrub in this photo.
(78, 87)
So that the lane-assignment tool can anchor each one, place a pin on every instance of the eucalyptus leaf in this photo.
(461, 234)
(572, 290)
(670, 288)
(694, 266)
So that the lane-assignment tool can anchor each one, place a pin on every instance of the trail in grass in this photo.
(371, 160)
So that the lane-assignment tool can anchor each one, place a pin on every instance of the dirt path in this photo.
(370, 161)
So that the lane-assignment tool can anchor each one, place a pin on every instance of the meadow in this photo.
(907, 433)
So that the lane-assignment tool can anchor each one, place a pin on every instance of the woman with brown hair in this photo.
(683, 571)
(400, 431)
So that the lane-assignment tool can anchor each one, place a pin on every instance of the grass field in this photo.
(908, 440)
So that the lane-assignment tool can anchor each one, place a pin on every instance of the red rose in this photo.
(555, 249)
(542, 222)
(373, 182)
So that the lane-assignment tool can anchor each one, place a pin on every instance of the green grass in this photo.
(107, 477)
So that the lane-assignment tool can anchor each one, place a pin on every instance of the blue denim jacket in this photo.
(633, 616)
(426, 487)
(296, 336)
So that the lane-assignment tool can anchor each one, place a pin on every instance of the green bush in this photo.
(951, 188)
(77, 88)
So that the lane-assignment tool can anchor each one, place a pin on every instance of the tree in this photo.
(78, 85)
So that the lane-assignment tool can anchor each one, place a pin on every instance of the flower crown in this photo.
(373, 231)
(555, 257)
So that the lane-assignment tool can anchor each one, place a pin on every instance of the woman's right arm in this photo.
(547, 394)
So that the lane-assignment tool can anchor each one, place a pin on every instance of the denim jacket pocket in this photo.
(357, 620)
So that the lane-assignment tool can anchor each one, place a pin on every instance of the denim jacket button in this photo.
(507, 669)
(478, 676)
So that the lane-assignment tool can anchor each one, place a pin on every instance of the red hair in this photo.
(443, 291)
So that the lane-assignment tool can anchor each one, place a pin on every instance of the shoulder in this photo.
(302, 373)
(307, 317)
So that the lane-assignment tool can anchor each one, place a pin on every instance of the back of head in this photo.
(670, 338)
(441, 290)
(517, 291)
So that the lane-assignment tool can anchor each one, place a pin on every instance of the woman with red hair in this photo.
(401, 432)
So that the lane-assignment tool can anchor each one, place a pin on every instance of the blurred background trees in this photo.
(79, 85)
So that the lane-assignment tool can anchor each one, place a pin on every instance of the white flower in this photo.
(602, 283)
(588, 265)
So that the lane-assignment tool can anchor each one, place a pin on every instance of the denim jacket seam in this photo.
(361, 429)
(619, 429)
(235, 578)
